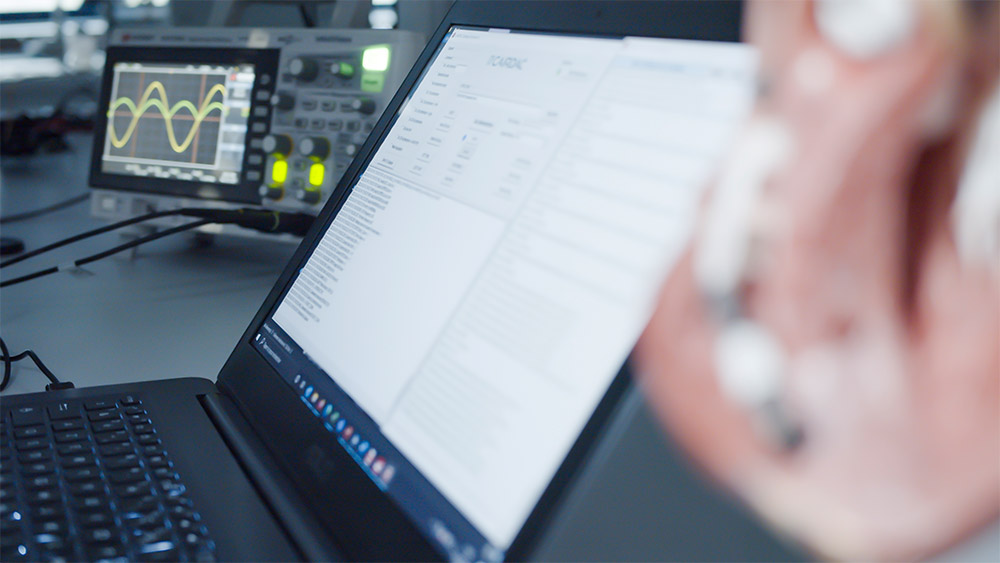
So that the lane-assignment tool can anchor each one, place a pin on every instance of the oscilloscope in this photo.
(232, 117)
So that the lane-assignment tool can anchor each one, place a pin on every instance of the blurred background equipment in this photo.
(51, 54)
(266, 117)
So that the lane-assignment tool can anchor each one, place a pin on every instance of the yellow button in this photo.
(279, 172)
(316, 173)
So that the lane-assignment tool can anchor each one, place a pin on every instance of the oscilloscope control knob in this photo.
(364, 105)
(272, 192)
(283, 100)
(304, 68)
(310, 196)
(315, 147)
(277, 144)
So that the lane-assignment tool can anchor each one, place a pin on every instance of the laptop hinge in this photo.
(300, 525)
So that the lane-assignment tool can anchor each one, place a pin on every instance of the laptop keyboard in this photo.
(90, 480)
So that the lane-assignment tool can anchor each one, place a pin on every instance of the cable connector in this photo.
(257, 219)
(59, 386)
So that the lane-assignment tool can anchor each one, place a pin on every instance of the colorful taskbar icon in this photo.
(360, 449)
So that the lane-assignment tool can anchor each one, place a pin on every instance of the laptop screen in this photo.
(496, 260)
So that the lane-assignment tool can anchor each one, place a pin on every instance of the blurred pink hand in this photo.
(895, 344)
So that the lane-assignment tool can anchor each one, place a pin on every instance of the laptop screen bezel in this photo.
(361, 518)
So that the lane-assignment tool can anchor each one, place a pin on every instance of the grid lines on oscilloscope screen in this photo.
(170, 116)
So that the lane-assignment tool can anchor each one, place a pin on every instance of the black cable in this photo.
(88, 234)
(260, 220)
(109, 252)
(8, 360)
(307, 18)
(44, 210)
(6, 365)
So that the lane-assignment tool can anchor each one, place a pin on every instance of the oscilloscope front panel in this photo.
(234, 117)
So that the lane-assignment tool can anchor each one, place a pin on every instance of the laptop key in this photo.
(180, 501)
(72, 424)
(157, 461)
(31, 444)
(27, 416)
(102, 552)
(98, 416)
(159, 551)
(49, 541)
(131, 475)
(39, 468)
(172, 488)
(110, 437)
(98, 404)
(151, 537)
(50, 512)
(96, 519)
(58, 526)
(112, 450)
(45, 496)
(101, 535)
(149, 440)
(153, 449)
(135, 410)
(133, 490)
(143, 429)
(122, 462)
(71, 436)
(81, 460)
(75, 448)
(152, 522)
(36, 431)
(87, 488)
(41, 482)
(108, 426)
(82, 474)
(166, 473)
(139, 505)
(64, 410)
(94, 503)
(129, 400)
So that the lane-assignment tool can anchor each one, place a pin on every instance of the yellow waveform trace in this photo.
(166, 110)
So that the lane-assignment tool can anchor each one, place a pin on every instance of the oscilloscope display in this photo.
(177, 121)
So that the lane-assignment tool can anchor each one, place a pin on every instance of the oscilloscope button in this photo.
(283, 100)
(271, 192)
(277, 144)
(303, 68)
(364, 105)
(315, 147)
(309, 196)
(342, 69)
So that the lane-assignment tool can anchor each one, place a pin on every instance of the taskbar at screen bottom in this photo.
(446, 528)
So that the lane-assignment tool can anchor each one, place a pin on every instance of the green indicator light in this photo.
(375, 58)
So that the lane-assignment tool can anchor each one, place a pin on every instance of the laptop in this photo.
(441, 353)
